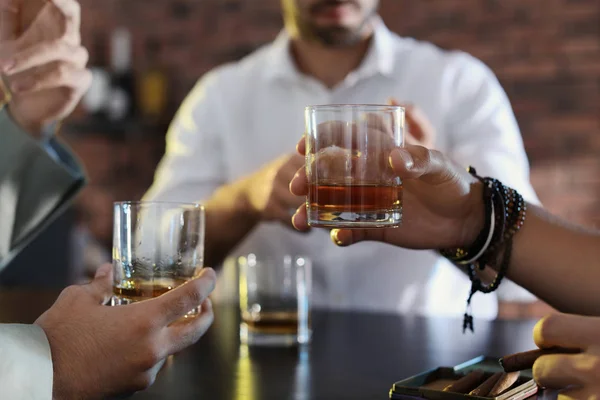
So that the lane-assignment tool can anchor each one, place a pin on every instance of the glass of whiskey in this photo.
(157, 246)
(351, 183)
(275, 300)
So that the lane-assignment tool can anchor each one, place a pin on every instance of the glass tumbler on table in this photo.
(351, 183)
(156, 247)
(275, 300)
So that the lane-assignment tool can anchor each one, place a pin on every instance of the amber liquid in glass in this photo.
(132, 291)
(355, 198)
(272, 323)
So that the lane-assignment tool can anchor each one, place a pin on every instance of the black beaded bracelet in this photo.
(508, 210)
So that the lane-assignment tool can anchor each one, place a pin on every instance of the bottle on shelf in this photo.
(152, 93)
(121, 104)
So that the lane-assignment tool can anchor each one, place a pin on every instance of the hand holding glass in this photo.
(156, 247)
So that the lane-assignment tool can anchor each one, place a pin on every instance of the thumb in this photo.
(101, 286)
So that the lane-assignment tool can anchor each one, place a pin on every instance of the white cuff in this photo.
(25, 363)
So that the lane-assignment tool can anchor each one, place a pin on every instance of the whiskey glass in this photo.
(351, 182)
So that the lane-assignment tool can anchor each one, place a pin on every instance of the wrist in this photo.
(474, 223)
(236, 198)
(35, 130)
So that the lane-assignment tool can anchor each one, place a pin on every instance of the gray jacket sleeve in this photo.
(37, 181)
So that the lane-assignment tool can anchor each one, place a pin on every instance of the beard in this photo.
(335, 36)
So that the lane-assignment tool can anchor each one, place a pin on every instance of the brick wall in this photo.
(546, 53)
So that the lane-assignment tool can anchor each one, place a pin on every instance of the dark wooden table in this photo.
(352, 356)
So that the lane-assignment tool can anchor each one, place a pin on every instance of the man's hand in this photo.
(445, 202)
(267, 191)
(43, 63)
(100, 351)
(579, 372)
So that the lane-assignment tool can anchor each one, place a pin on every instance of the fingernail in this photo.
(401, 157)
(334, 237)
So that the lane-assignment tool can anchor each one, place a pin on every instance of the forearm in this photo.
(557, 262)
(229, 218)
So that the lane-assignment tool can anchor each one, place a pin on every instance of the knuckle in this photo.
(84, 55)
(144, 327)
(425, 156)
(175, 306)
(63, 70)
(152, 357)
(70, 292)
(196, 296)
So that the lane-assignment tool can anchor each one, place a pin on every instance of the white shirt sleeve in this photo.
(192, 168)
(25, 363)
(484, 134)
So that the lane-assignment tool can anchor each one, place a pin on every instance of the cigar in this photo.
(525, 360)
(466, 383)
(504, 383)
(484, 389)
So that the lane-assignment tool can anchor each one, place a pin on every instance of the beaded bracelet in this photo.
(506, 212)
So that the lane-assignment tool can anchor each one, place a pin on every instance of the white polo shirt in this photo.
(243, 115)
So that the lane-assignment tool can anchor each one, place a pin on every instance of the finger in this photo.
(59, 19)
(71, 10)
(393, 102)
(579, 393)
(181, 300)
(300, 219)
(9, 20)
(558, 371)
(419, 126)
(565, 330)
(101, 286)
(347, 237)
(299, 183)
(185, 333)
(290, 167)
(379, 122)
(301, 146)
(282, 213)
(417, 162)
(411, 140)
(45, 53)
(55, 75)
(333, 133)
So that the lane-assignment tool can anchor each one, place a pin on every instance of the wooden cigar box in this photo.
(429, 385)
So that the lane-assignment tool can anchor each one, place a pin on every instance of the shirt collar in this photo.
(378, 60)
